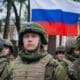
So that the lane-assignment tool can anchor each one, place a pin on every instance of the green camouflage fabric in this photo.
(70, 47)
(5, 69)
(34, 28)
(76, 69)
(78, 43)
(60, 73)
(66, 63)
(54, 70)
(71, 57)
(9, 44)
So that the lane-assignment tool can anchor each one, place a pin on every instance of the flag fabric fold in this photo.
(58, 17)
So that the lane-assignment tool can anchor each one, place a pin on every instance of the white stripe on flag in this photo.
(65, 5)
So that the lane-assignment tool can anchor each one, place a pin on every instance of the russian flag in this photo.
(58, 17)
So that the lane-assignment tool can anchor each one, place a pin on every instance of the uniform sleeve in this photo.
(12, 65)
(74, 71)
(57, 71)
(5, 70)
(60, 72)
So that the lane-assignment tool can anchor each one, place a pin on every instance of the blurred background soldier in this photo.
(8, 50)
(6, 61)
(60, 53)
(60, 56)
(76, 68)
(72, 53)
(33, 63)
(76, 63)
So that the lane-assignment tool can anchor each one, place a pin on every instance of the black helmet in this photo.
(60, 49)
(33, 28)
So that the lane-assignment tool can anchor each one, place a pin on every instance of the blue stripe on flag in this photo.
(54, 16)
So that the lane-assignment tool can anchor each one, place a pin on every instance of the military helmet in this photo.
(78, 43)
(60, 49)
(70, 45)
(33, 28)
(8, 43)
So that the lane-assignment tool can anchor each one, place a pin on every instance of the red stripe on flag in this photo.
(54, 28)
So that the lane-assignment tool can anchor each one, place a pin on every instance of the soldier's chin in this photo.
(31, 50)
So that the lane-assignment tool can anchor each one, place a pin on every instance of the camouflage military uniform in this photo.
(76, 68)
(44, 68)
(63, 61)
(4, 68)
(76, 64)
(70, 47)
(5, 64)
(38, 65)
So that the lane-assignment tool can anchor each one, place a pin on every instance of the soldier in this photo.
(76, 68)
(76, 64)
(72, 53)
(6, 61)
(60, 56)
(8, 50)
(33, 63)
(60, 50)
(78, 46)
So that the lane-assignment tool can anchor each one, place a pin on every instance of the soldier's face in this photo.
(76, 53)
(6, 51)
(60, 56)
(31, 41)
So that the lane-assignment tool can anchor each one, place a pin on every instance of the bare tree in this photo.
(9, 3)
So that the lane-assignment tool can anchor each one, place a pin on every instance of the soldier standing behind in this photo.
(60, 56)
(76, 68)
(76, 63)
(33, 63)
(72, 52)
(6, 61)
